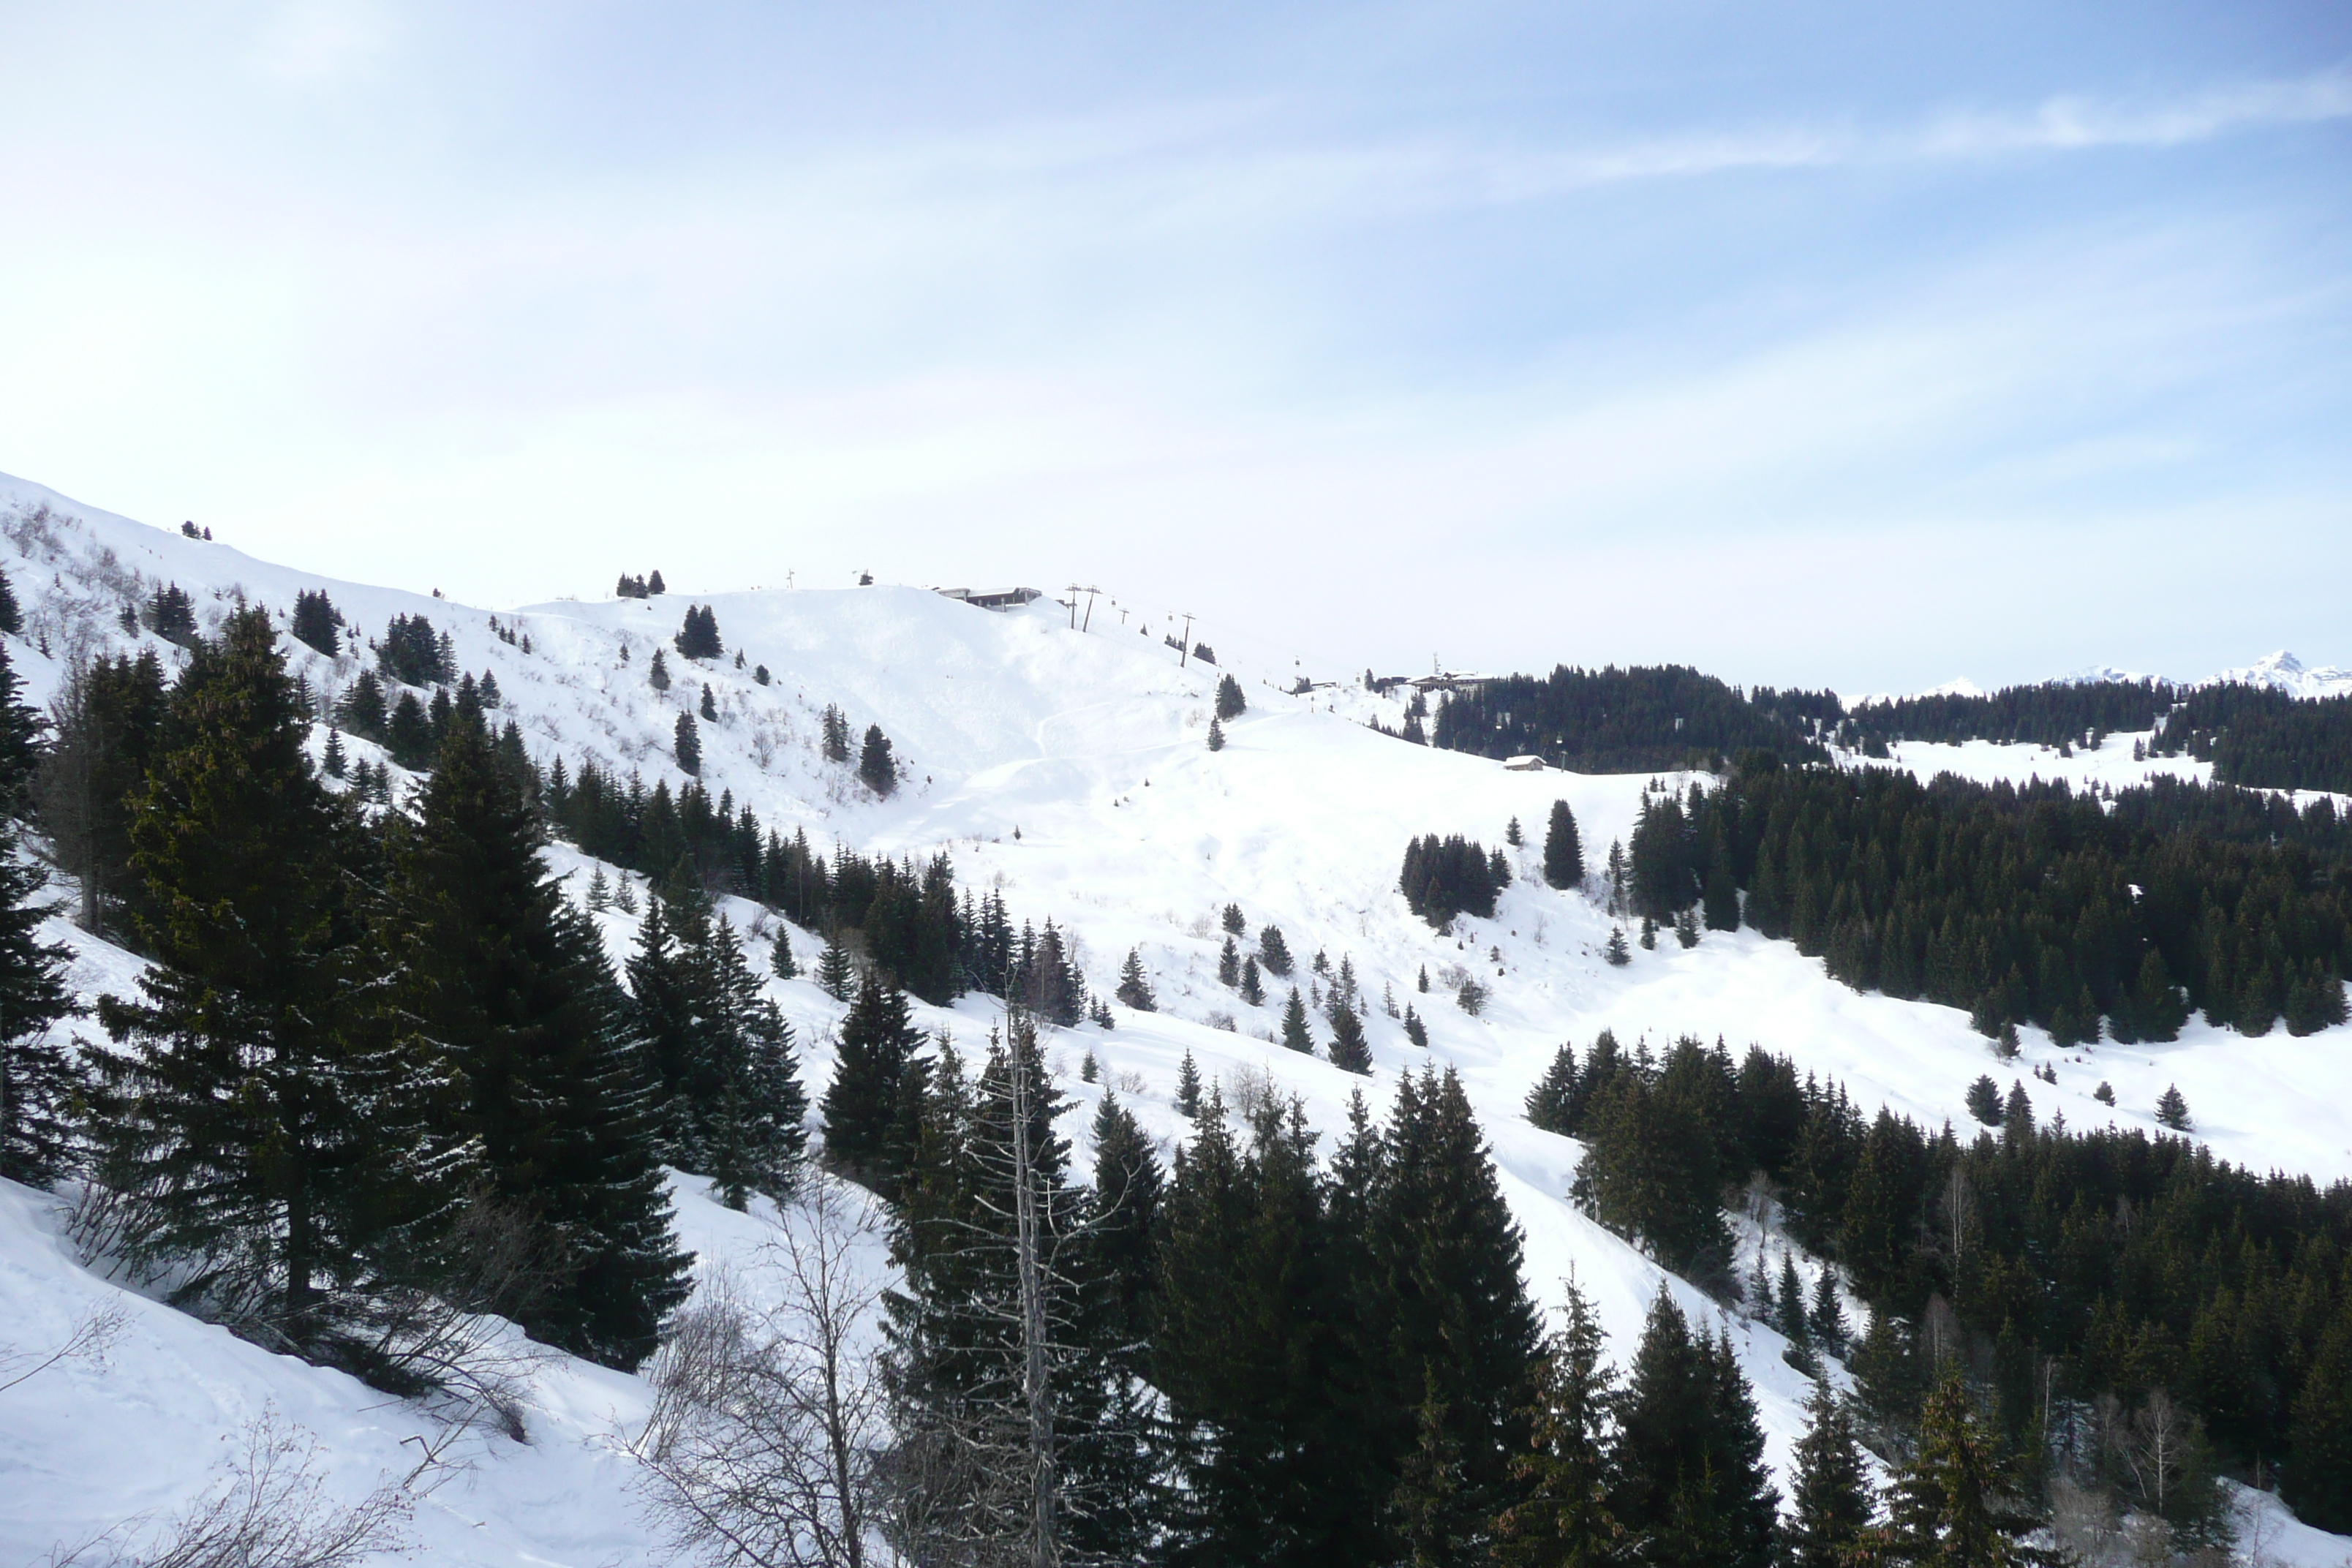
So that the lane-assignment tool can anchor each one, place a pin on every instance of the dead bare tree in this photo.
(760, 1451)
(1011, 1418)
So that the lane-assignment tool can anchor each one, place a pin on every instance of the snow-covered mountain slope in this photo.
(2290, 675)
(1067, 768)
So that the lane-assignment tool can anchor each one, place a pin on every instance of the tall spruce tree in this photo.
(1463, 1337)
(1134, 986)
(750, 1108)
(1256, 1352)
(1296, 1036)
(1833, 1502)
(1563, 850)
(1560, 1517)
(40, 1080)
(2318, 1479)
(271, 1146)
(1349, 1049)
(105, 721)
(862, 1103)
(1956, 1501)
(876, 768)
(509, 989)
(1689, 1453)
(20, 736)
(1551, 1104)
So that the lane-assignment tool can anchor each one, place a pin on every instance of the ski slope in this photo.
(1068, 769)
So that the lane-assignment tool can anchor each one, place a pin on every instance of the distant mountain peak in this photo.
(2284, 670)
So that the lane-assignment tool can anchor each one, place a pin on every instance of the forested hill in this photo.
(1638, 719)
(2053, 713)
(2264, 738)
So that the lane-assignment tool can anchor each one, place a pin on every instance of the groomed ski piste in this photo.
(1068, 769)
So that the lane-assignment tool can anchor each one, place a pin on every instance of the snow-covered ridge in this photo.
(1068, 769)
(2281, 670)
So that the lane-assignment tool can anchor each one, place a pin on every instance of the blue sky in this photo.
(1858, 346)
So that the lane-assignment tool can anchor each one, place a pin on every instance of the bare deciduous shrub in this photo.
(269, 1509)
(767, 1421)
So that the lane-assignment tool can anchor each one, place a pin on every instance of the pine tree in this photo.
(1649, 934)
(20, 734)
(834, 971)
(2171, 1109)
(2318, 1479)
(698, 637)
(687, 745)
(1462, 1338)
(511, 996)
(750, 1105)
(316, 622)
(267, 1137)
(708, 706)
(1686, 929)
(654, 585)
(780, 958)
(12, 617)
(408, 734)
(834, 730)
(1216, 736)
(1690, 1452)
(1273, 953)
(1560, 1518)
(1134, 988)
(1129, 1186)
(1295, 1033)
(1229, 964)
(1231, 702)
(1983, 1100)
(107, 721)
(364, 710)
(1188, 1088)
(657, 672)
(1616, 951)
(1349, 1049)
(1793, 1324)
(874, 768)
(1549, 1103)
(1833, 1499)
(1414, 1029)
(1253, 988)
(862, 1104)
(1827, 1318)
(39, 1080)
(1954, 1503)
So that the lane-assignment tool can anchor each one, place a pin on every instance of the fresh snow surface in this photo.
(1067, 768)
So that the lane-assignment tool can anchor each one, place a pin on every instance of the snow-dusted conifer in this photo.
(1295, 1033)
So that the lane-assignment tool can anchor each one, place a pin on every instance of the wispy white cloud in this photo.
(2066, 123)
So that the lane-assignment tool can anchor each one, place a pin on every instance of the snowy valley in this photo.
(1068, 771)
